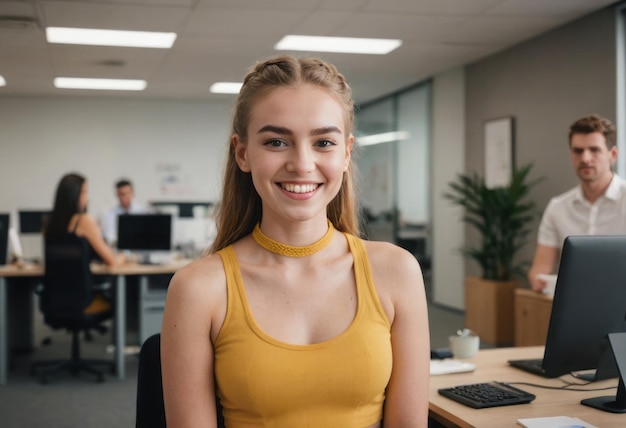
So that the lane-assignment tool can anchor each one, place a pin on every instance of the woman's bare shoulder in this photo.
(82, 220)
(200, 277)
(85, 225)
(384, 253)
(197, 297)
(392, 265)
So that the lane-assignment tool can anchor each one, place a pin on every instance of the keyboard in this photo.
(487, 394)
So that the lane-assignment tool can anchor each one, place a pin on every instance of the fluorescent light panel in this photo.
(385, 137)
(88, 36)
(3, 82)
(337, 44)
(226, 87)
(99, 84)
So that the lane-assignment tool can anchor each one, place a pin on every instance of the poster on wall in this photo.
(498, 152)
(171, 180)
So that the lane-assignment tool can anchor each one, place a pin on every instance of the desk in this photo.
(532, 317)
(491, 364)
(120, 272)
(15, 272)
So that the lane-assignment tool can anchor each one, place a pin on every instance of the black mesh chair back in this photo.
(68, 282)
(67, 290)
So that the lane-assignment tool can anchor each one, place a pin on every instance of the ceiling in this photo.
(218, 40)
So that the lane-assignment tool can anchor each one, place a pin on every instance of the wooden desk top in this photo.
(527, 292)
(12, 270)
(491, 364)
(140, 269)
(28, 270)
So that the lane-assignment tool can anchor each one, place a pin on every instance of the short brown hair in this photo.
(595, 123)
(123, 183)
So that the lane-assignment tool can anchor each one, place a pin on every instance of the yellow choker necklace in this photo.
(289, 250)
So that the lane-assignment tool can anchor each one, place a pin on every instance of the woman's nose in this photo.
(301, 159)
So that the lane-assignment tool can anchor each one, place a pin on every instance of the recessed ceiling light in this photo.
(99, 84)
(226, 87)
(385, 137)
(3, 82)
(337, 44)
(88, 36)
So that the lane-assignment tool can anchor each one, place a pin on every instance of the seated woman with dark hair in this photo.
(69, 216)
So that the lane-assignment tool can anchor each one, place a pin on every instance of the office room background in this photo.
(544, 83)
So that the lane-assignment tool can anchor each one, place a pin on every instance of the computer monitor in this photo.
(184, 209)
(4, 238)
(614, 403)
(589, 303)
(32, 221)
(144, 232)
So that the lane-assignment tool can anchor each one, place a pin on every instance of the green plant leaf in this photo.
(502, 216)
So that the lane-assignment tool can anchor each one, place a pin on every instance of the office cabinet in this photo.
(532, 317)
(152, 293)
(489, 309)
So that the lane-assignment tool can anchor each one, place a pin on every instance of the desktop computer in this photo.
(147, 236)
(31, 223)
(589, 303)
(4, 238)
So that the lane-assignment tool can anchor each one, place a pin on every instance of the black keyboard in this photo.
(487, 394)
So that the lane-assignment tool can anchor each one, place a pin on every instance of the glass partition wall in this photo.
(393, 153)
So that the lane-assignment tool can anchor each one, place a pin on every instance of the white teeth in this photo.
(299, 188)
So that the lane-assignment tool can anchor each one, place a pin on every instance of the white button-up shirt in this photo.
(571, 214)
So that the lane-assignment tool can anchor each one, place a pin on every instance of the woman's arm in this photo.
(88, 228)
(195, 298)
(398, 278)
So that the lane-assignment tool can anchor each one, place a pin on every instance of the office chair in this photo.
(150, 406)
(67, 290)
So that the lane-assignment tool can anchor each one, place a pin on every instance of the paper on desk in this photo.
(439, 367)
(554, 422)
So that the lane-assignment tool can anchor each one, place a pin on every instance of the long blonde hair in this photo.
(240, 208)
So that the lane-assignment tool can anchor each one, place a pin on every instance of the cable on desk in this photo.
(565, 387)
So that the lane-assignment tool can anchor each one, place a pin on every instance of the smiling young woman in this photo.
(291, 318)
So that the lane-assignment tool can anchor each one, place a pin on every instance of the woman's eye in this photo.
(325, 143)
(275, 143)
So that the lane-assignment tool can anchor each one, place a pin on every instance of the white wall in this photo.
(104, 139)
(448, 159)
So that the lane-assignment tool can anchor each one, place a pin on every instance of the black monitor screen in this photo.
(4, 237)
(144, 232)
(32, 221)
(589, 303)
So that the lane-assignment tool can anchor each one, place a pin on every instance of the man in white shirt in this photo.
(597, 206)
(125, 195)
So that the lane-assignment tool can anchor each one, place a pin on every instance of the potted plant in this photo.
(502, 217)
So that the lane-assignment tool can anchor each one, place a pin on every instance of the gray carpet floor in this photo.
(71, 402)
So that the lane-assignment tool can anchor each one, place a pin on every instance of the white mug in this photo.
(464, 346)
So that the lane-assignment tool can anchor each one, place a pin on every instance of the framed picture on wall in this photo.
(499, 149)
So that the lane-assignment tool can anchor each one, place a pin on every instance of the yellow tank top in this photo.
(341, 382)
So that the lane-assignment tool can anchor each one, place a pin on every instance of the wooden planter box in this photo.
(489, 309)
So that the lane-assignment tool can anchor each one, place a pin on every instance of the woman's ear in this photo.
(241, 153)
(349, 144)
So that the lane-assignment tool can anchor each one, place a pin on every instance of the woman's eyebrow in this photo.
(286, 131)
(326, 130)
(275, 129)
